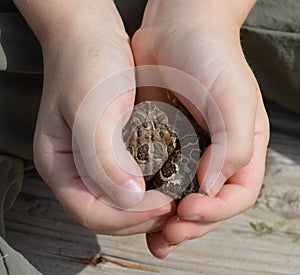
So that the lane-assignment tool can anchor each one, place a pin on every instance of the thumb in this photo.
(100, 155)
(232, 136)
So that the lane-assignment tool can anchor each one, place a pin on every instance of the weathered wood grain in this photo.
(264, 240)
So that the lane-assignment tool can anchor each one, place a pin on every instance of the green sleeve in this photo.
(271, 42)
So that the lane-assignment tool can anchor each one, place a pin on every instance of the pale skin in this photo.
(92, 31)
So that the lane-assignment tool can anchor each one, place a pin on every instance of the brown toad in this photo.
(167, 157)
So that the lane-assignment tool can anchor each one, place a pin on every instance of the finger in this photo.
(241, 190)
(158, 246)
(175, 233)
(117, 221)
(150, 225)
(100, 218)
(231, 121)
(102, 159)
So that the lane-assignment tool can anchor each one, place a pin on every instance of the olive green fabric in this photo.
(7, 6)
(131, 12)
(19, 102)
(19, 49)
(11, 177)
(271, 41)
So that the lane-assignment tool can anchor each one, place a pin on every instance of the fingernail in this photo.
(129, 194)
(168, 244)
(132, 185)
(187, 238)
(173, 244)
(214, 184)
(194, 218)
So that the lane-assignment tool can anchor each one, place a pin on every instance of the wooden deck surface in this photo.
(264, 240)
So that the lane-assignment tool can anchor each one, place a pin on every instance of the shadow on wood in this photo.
(39, 228)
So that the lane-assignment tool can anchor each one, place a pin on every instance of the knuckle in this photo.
(244, 154)
(238, 158)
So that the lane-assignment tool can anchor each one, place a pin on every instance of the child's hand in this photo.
(83, 43)
(201, 38)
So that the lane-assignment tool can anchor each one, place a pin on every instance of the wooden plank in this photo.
(264, 240)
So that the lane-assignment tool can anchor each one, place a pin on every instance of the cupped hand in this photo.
(78, 124)
(202, 40)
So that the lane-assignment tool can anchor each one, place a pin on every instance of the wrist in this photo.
(228, 15)
(53, 21)
(222, 11)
